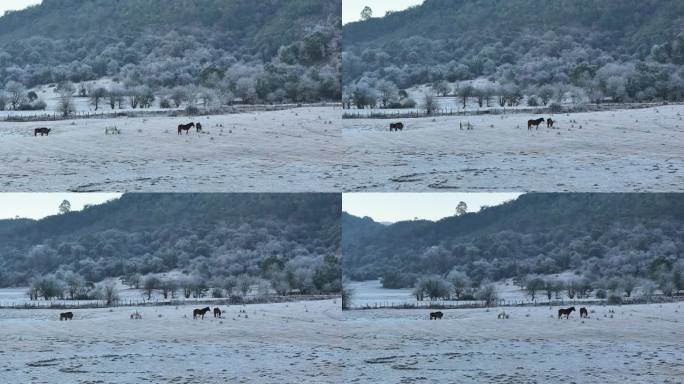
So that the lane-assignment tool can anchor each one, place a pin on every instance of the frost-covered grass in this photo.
(277, 343)
(628, 150)
(292, 150)
(635, 344)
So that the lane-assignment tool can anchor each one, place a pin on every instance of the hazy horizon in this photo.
(351, 9)
(395, 207)
(40, 205)
(16, 5)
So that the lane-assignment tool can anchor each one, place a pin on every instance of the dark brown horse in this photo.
(396, 127)
(534, 123)
(199, 127)
(66, 316)
(549, 123)
(584, 312)
(185, 127)
(217, 312)
(200, 312)
(42, 131)
(565, 312)
(436, 315)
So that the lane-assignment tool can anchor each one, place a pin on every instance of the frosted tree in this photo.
(65, 207)
(366, 13)
(430, 104)
(461, 208)
(16, 93)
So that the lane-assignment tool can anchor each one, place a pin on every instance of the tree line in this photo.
(256, 58)
(289, 242)
(610, 242)
(587, 51)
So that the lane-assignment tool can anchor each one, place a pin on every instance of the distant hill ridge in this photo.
(537, 233)
(211, 235)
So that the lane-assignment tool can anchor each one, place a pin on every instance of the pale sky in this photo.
(15, 5)
(351, 9)
(39, 205)
(393, 207)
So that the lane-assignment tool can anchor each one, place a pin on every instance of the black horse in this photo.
(534, 123)
(42, 131)
(436, 315)
(217, 312)
(185, 127)
(549, 123)
(565, 312)
(396, 127)
(200, 312)
(199, 127)
(66, 316)
(584, 312)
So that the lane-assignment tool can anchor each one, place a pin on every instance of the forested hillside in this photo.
(621, 49)
(597, 236)
(290, 240)
(260, 51)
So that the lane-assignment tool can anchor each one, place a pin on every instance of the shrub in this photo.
(614, 300)
(165, 103)
(39, 105)
(191, 110)
(532, 101)
(601, 294)
(555, 108)
(217, 293)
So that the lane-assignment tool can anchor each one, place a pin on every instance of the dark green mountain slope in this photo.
(595, 234)
(208, 235)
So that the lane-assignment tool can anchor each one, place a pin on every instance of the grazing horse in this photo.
(549, 123)
(200, 312)
(185, 127)
(199, 127)
(217, 312)
(436, 315)
(42, 131)
(534, 123)
(396, 127)
(565, 312)
(584, 312)
(66, 316)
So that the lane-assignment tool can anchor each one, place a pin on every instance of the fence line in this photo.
(475, 304)
(374, 114)
(235, 109)
(235, 300)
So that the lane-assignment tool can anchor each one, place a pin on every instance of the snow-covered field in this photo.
(278, 343)
(629, 150)
(295, 150)
(638, 344)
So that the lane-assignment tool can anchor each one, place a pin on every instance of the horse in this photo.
(66, 316)
(200, 312)
(396, 127)
(185, 127)
(584, 312)
(217, 312)
(549, 123)
(136, 316)
(565, 312)
(199, 127)
(436, 315)
(535, 123)
(42, 131)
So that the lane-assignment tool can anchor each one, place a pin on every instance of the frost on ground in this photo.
(278, 343)
(638, 344)
(293, 150)
(629, 150)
